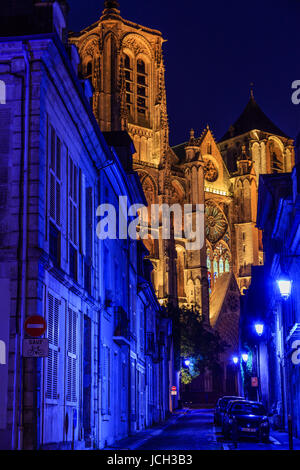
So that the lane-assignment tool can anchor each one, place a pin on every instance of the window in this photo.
(141, 87)
(128, 84)
(52, 359)
(73, 219)
(221, 266)
(2, 92)
(55, 190)
(136, 88)
(55, 178)
(54, 244)
(72, 357)
(106, 380)
(89, 69)
(73, 203)
(88, 240)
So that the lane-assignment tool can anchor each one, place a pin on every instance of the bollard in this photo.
(290, 429)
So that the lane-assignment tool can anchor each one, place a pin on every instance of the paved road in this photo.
(194, 430)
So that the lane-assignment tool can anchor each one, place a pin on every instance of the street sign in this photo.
(35, 347)
(254, 381)
(173, 390)
(35, 326)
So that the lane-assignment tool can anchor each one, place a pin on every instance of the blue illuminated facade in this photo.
(278, 361)
(110, 351)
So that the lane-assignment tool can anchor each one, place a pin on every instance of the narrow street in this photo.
(194, 430)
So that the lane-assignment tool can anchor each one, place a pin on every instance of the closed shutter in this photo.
(73, 202)
(52, 360)
(72, 357)
(106, 381)
(55, 178)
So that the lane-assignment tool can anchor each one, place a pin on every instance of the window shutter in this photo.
(72, 357)
(52, 360)
(104, 381)
(55, 178)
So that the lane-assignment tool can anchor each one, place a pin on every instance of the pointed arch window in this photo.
(141, 99)
(128, 83)
(227, 266)
(221, 266)
(216, 268)
(89, 69)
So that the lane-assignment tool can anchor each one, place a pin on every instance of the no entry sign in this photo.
(35, 326)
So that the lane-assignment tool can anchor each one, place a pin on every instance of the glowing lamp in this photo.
(245, 357)
(285, 286)
(187, 362)
(259, 328)
(235, 359)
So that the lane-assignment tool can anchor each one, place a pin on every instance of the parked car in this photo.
(221, 407)
(246, 418)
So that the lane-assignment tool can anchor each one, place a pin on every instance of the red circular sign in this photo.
(35, 326)
(174, 388)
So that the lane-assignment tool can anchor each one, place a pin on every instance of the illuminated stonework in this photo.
(124, 61)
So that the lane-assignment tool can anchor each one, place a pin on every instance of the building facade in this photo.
(278, 217)
(124, 62)
(107, 370)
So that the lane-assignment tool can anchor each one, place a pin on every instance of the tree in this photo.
(194, 340)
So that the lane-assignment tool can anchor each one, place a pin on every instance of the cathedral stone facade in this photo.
(124, 61)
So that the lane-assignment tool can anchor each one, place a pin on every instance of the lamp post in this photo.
(284, 284)
(259, 329)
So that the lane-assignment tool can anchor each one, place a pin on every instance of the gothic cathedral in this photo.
(124, 62)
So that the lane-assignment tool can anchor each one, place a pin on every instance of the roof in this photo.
(252, 118)
(218, 296)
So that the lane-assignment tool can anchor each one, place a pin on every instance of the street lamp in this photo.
(259, 328)
(187, 362)
(235, 360)
(285, 286)
(245, 357)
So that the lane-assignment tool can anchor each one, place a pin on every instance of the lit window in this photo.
(128, 84)
(141, 88)
(2, 92)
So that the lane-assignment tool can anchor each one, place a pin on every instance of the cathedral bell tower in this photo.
(124, 62)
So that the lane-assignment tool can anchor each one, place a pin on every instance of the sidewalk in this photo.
(136, 440)
(281, 438)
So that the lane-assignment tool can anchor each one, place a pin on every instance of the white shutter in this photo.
(72, 357)
(52, 360)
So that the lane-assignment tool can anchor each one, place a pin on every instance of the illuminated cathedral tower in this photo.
(252, 146)
(125, 64)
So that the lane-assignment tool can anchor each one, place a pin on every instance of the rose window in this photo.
(216, 224)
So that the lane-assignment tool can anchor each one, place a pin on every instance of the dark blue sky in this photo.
(214, 50)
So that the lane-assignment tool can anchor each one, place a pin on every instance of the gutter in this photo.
(23, 247)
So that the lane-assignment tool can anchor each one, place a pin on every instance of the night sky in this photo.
(214, 50)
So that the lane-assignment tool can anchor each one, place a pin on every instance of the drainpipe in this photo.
(23, 244)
